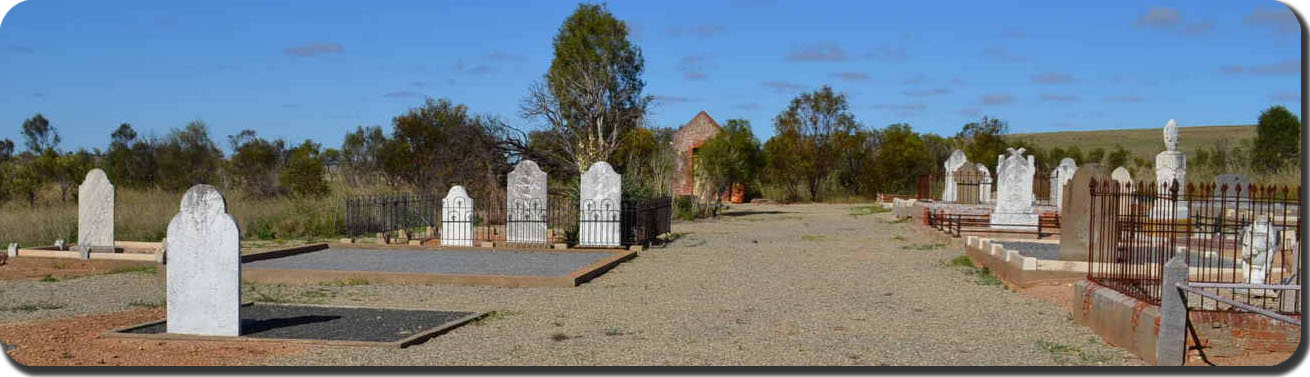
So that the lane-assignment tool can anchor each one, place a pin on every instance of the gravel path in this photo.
(22, 300)
(438, 262)
(778, 285)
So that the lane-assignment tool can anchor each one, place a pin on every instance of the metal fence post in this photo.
(1171, 345)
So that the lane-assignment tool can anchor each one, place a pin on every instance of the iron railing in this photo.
(1228, 235)
(969, 186)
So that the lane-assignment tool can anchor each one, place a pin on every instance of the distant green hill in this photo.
(1144, 143)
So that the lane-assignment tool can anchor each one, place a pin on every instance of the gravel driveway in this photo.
(766, 285)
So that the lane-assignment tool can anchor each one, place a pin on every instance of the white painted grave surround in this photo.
(526, 204)
(95, 212)
(952, 164)
(457, 218)
(1061, 176)
(601, 202)
(204, 266)
(1014, 196)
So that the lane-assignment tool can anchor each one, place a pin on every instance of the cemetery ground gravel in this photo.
(762, 285)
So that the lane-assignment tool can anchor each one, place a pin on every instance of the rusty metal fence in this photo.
(1238, 236)
(970, 185)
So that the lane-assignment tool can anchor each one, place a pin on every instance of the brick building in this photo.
(686, 141)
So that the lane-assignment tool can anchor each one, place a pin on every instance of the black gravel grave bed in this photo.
(522, 263)
(331, 323)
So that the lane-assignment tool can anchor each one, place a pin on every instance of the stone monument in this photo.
(952, 164)
(601, 202)
(1170, 170)
(1076, 212)
(95, 213)
(1014, 195)
(1122, 176)
(204, 266)
(13, 250)
(1062, 174)
(985, 188)
(457, 218)
(1232, 182)
(1259, 243)
(526, 204)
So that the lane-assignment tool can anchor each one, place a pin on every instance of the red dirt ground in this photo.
(78, 341)
(28, 268)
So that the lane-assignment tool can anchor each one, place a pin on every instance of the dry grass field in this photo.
(1144, 143)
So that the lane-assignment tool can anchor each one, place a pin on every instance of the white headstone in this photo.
(1122, 176)
(1062, 174)
(13, 250)
(985, 188)
(1014, 195)
(526, 206)
(457, 218)
(1259, 243)
(1227, 186)
(1170, 172)
(95, 212)
(204, 266)
(952, 164)
(601, 202)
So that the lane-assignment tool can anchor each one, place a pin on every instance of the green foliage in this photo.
(439, 145)
(784, 165)
(984, 140)
(130, 161)
(902, 157)
(1277, 141)
(814, 122)
(38, 135)
(187, 157)
(255, 162)
(303, 173)
(139, 269)
(729, 158)
(1118, 157)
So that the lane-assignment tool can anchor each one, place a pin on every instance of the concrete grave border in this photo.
(418, 338)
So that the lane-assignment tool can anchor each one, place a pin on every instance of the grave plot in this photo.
(330, 325)
(95, 229)
(204, 294)
(504, 268)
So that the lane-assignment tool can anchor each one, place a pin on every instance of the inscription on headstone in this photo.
(526, 204)
(1014, 196)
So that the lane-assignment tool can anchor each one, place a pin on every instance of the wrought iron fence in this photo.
(1231, 235)
(493, 218)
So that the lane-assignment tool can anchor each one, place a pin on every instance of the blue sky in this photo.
(301, 69)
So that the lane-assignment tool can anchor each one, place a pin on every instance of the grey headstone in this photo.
(985, 188)
(601, 202)
(1075, 213)
(204, 266)
(95, 212)
(1170, 348)
(1062, 174)
(1232, 183)
(952, 164)
(457, 218)
(526, 204)
(1014, 196)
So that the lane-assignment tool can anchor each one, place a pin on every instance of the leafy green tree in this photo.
(1095, 156)
(39, 135)
(187, 157)
(6, 149)
(1118, 157)
(361, 154)
(69, 169)
(785, 163)
(854, 166)
(592, 94)
(645, 158)
(1277, 141)
(818, 118)
(255, 162)
(26, 182)
(130, 161)
(730, 158)
(984, 140)
(902, 157)
(304, 173)
(439, 144)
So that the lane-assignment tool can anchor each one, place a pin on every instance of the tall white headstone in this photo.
(526, 206)
(952, 164)
(95, 212)
(1014, 197)
(1061, 176)
(1259, 242)
(13, 250)
(985, 188)
(204, 266)
(457, 218)
(601, 202)
(1170, 172)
